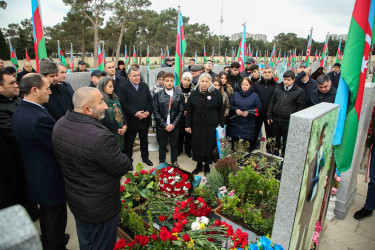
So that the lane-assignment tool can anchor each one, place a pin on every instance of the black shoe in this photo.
(198, 168)
(66, 239)
(188, 155)
(361, 214)
(206, 169)
(148, 162)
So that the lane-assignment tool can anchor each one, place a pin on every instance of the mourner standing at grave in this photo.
(32, 126)
(287, 99)
(93, 165)
(247, 72)
(110, 69)
(27, 68)
(136, 101)
(168, 108)
(234, 76)
(96, 75)
(335, 75)
(305, 82)
(325, 91)
(208, 68)
(205, 112)
(81, 67)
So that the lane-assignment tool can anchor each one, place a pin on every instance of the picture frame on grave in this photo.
(318, 161)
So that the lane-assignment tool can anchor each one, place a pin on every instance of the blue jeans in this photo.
(370, 200)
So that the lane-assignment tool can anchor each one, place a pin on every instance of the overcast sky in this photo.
(269, 17)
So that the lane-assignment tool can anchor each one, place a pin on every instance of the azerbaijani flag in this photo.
(273, 56)
(338, 54)
(100, 59)
(161, 57)
(195, 57)
(13, 57)
(180, 50)
(60, 54)
(126, 58)
(316, 56)
(233, 55)
(352, 81)
(71, 56)
(134, 56)
(242, 50)
(104, 57)
(205, 54)
(307, 59)
(324, 53)
(148, 58)
(225, 57)
(27, 56)
(39, 43)
(294, 57)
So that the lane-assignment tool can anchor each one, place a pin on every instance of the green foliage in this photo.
(230, 206)
(208, 196)
(225, 166)
(132, 221)
(4, 48)
(215, 180)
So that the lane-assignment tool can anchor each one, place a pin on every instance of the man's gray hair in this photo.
(187, 74)
(267, 67)
(322, 79)
(60, 64)
(84, 96)
(211, 88)
(132, 69)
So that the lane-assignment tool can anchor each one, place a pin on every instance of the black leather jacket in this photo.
(161, 104)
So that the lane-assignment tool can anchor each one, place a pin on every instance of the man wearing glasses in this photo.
(208, 68)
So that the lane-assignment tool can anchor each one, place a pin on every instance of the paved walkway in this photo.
(347, 234)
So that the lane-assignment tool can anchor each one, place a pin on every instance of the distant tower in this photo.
(221, 25)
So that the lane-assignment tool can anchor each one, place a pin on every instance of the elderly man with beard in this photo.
(92, 165)
(60, 100)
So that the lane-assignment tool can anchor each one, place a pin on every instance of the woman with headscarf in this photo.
(205, 111)
(114, 118)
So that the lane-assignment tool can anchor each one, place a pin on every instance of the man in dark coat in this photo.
(167, 63)
(287, 99)
(195, 71)
(96, 75)
(81, 67)
(247, 71)
(120, 70)
(60, 100)
(208, 68)
(110, 70)
(264, 88)
(255, 73)
(32, 126)
(325, 91)
(205, 111)
(168, 108)
(305, 82)
(27, 68)
(93, 165)
(234, 76)
(136, 101)
(335, 75)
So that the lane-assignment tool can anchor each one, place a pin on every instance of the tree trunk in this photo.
(120, 40)
(83, 45)
(140, 56)
(113, 55)
(96, 43)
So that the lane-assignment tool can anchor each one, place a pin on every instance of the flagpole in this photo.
(58, 50)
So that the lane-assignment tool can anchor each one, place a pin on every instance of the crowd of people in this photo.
(63, 146)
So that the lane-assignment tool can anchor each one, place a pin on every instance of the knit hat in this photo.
(121, 62)
(47, 66)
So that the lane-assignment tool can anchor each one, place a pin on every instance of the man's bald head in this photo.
(84, 96)
(28, 66)
(89, 101)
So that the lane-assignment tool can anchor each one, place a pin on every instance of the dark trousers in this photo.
(258, 126)
(129, 142)
(93, 236)
(163, 136)
(184, 139)
(370, 199)
(53, 224)
(280, 129)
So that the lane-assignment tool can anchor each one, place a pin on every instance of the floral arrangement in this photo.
(265, 243)
(138, 186)
(315, 239)
(173, 182)
(335, 184)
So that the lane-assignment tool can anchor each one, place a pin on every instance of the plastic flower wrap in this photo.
(265, 243)
(173, 182)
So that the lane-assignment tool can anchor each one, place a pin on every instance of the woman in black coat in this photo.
(244, 106)
(204, 113)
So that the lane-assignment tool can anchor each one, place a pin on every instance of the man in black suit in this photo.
(32, 126)
(136, 101)
(110, 69)
(335, 75)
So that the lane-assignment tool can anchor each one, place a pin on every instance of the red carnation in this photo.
(136, 174)
(186, 237)
(183, 204)
(177, 185)
(188, 185)
(169, 168)
(162, 218)
(184, 222)
(143, 241)
(185, 177)
(165, 235)
(154, 237)
(174, 237)
(170, 180)
(217, 223)
(142, 171)
(122, 188)
(127, 181)
(163, 228)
